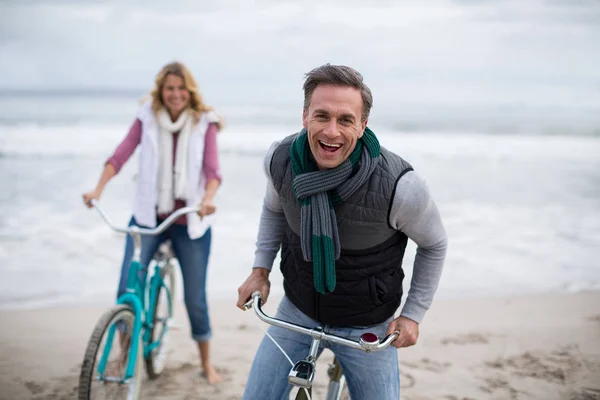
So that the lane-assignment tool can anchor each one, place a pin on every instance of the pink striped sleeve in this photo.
(127, 146)
(210, 162)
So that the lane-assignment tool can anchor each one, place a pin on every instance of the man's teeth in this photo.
(330, 144)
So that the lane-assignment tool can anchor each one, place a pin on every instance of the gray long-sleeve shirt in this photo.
(413, 212)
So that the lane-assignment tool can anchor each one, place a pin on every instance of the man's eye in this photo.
(321, 117)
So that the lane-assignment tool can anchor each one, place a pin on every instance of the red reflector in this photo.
(369, 337)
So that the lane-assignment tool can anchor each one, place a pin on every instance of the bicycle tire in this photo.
(86, 377)
(155, 362)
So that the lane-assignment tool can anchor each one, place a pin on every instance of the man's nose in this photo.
(330, 130)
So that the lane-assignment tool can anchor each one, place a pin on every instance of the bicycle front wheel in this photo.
(163, 301)
(106, 357)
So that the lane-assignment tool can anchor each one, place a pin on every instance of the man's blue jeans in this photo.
(369, 375)
(193, 258)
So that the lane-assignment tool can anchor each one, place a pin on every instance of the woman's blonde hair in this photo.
(197, 106)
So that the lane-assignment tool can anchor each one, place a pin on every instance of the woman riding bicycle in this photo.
(179, 166)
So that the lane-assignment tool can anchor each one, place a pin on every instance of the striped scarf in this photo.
(318, 191)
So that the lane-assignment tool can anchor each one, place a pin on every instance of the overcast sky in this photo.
(454, 52)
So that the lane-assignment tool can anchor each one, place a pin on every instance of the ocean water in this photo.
(522, 210)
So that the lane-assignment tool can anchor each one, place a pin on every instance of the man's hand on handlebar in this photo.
(257, 281)
(407, 329)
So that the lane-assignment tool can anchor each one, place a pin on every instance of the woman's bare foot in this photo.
(211, 375)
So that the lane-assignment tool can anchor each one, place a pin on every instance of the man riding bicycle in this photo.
(342, 209)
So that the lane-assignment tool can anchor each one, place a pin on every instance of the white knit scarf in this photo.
(166, 175)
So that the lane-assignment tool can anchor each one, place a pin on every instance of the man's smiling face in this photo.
(333, 121)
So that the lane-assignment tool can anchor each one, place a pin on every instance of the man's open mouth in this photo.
(330, 147)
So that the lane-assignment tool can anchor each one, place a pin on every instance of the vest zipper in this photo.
(317, 306)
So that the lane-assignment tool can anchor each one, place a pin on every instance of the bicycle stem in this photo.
(314, 350)
(137, 244)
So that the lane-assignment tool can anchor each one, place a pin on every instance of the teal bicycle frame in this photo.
(135, 295)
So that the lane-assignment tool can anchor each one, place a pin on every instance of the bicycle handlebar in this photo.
(145, 231)
(368, 341)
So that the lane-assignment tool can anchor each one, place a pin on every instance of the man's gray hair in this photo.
(339, 75)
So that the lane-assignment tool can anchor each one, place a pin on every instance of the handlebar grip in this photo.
(255, 296)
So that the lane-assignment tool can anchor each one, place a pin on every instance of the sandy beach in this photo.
(543, 346)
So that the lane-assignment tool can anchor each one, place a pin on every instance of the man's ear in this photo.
(304, 118)
(363, 126)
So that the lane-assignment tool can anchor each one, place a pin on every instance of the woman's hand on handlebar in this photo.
(89, 196)
(207, 207)
(257, 281)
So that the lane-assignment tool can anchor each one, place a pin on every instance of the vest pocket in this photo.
(386, 286)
